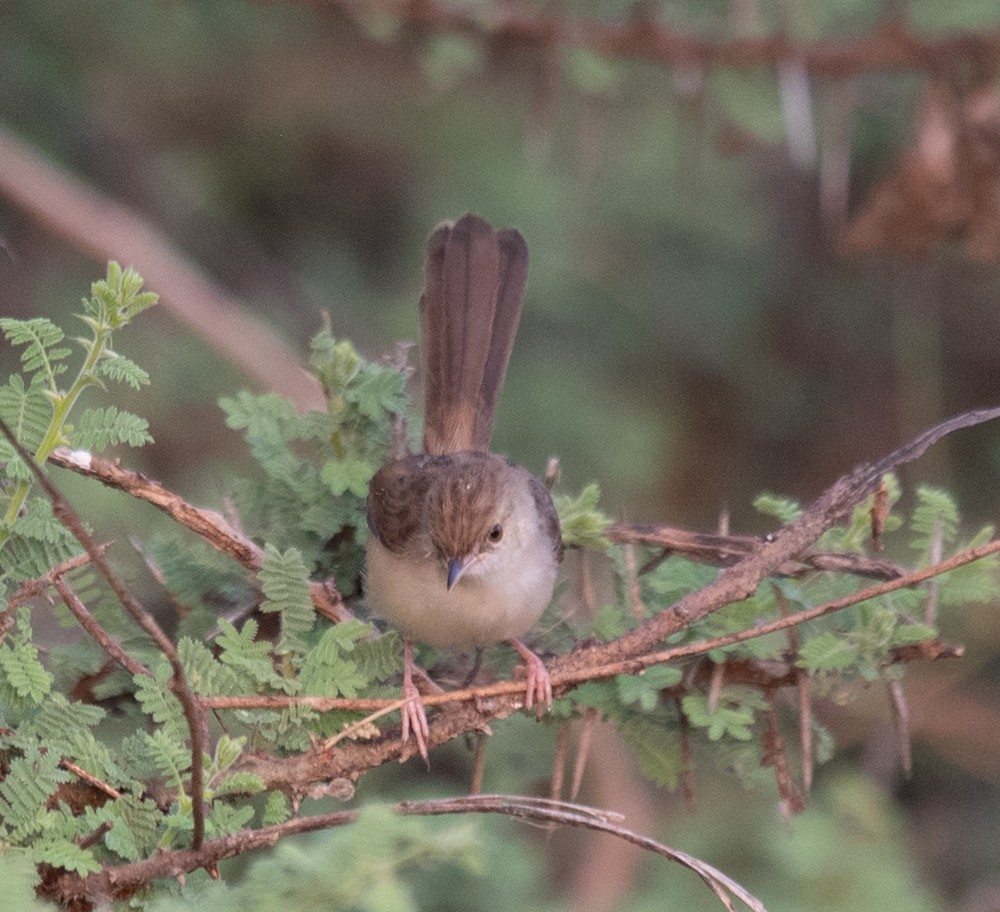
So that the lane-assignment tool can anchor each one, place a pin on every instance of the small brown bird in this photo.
(464, 546)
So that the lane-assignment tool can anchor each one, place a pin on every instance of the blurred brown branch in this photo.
(106, 230)
(123, 881)
(888, 46)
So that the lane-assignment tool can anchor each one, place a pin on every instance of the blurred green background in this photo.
(691, 336)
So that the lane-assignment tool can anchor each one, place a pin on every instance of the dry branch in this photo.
(207, 524)
(105, 229)
(194, 715)
(123, 881)
(473, 709)
(890, 46)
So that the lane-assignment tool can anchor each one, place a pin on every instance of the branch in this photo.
(638, 649)
(193, 713)
(207, 524)
(107, 230)
(564, 681)
(726, 550)
(36, 588)
(123, 881)
(91, 625)
(889, 46)
(741, 580)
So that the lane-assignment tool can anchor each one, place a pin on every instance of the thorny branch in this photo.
(193, 712)
(472, 709)
(750, 561)
(208, 524)
(122, 881)
(889, 46)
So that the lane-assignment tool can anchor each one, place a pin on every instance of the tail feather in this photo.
(469, 313)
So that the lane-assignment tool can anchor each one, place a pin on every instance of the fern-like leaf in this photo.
(935, 520)
(25, 791)
(136, 829)
(98, 428)
(205, 673)
(58, 722)
(42, 352)
(159, 703)
(27, 411)
(327, 671)
(249, 659)
(122, 370)
(285, 581)
(21, 670)
(583, 523)
(783, 509)
(65, 853)
(172, 758)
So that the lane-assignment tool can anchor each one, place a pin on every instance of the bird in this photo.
(464, 545)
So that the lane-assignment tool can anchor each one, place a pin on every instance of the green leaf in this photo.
(59, 722)
(935, 520)
(730, 719)
(327, 671)
(826, 652)
(171, 757)
(907, 634)
(784, 509)
(136, 829)
(158, 702)
(348, 476)
(226, 818)
(22, 671)
(644, 688)
(239, 784)
(121, 369)
(64, 853)
(98, 428)
(27, 411)
(656, 748)
(376, 390)
(250, 660)
(334, 363)
(285, 581)
(277, 809)
(29, 783)
(40, 338)
(118, 297)
(582, 523)
(19, 876)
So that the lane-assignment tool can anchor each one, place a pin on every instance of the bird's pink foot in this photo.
(538, 684)
(413, 712)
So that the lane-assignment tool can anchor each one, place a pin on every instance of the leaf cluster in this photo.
(314, 468)
(80, 788)
(36, 405)
(658, 710)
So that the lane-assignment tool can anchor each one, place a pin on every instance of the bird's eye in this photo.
(496, 533)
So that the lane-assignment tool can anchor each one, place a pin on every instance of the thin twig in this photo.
(193, 711)
(561, 680)
(725, 550)
(90, 778)
(207, 524)
(887, 47)
(123, 881)
(91, 625)
(901, 724)
(567, 814)
(36, 588)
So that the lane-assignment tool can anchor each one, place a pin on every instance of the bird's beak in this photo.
(456, 567)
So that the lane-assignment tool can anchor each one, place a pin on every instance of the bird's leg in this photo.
(538, 684)
(413, 712)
